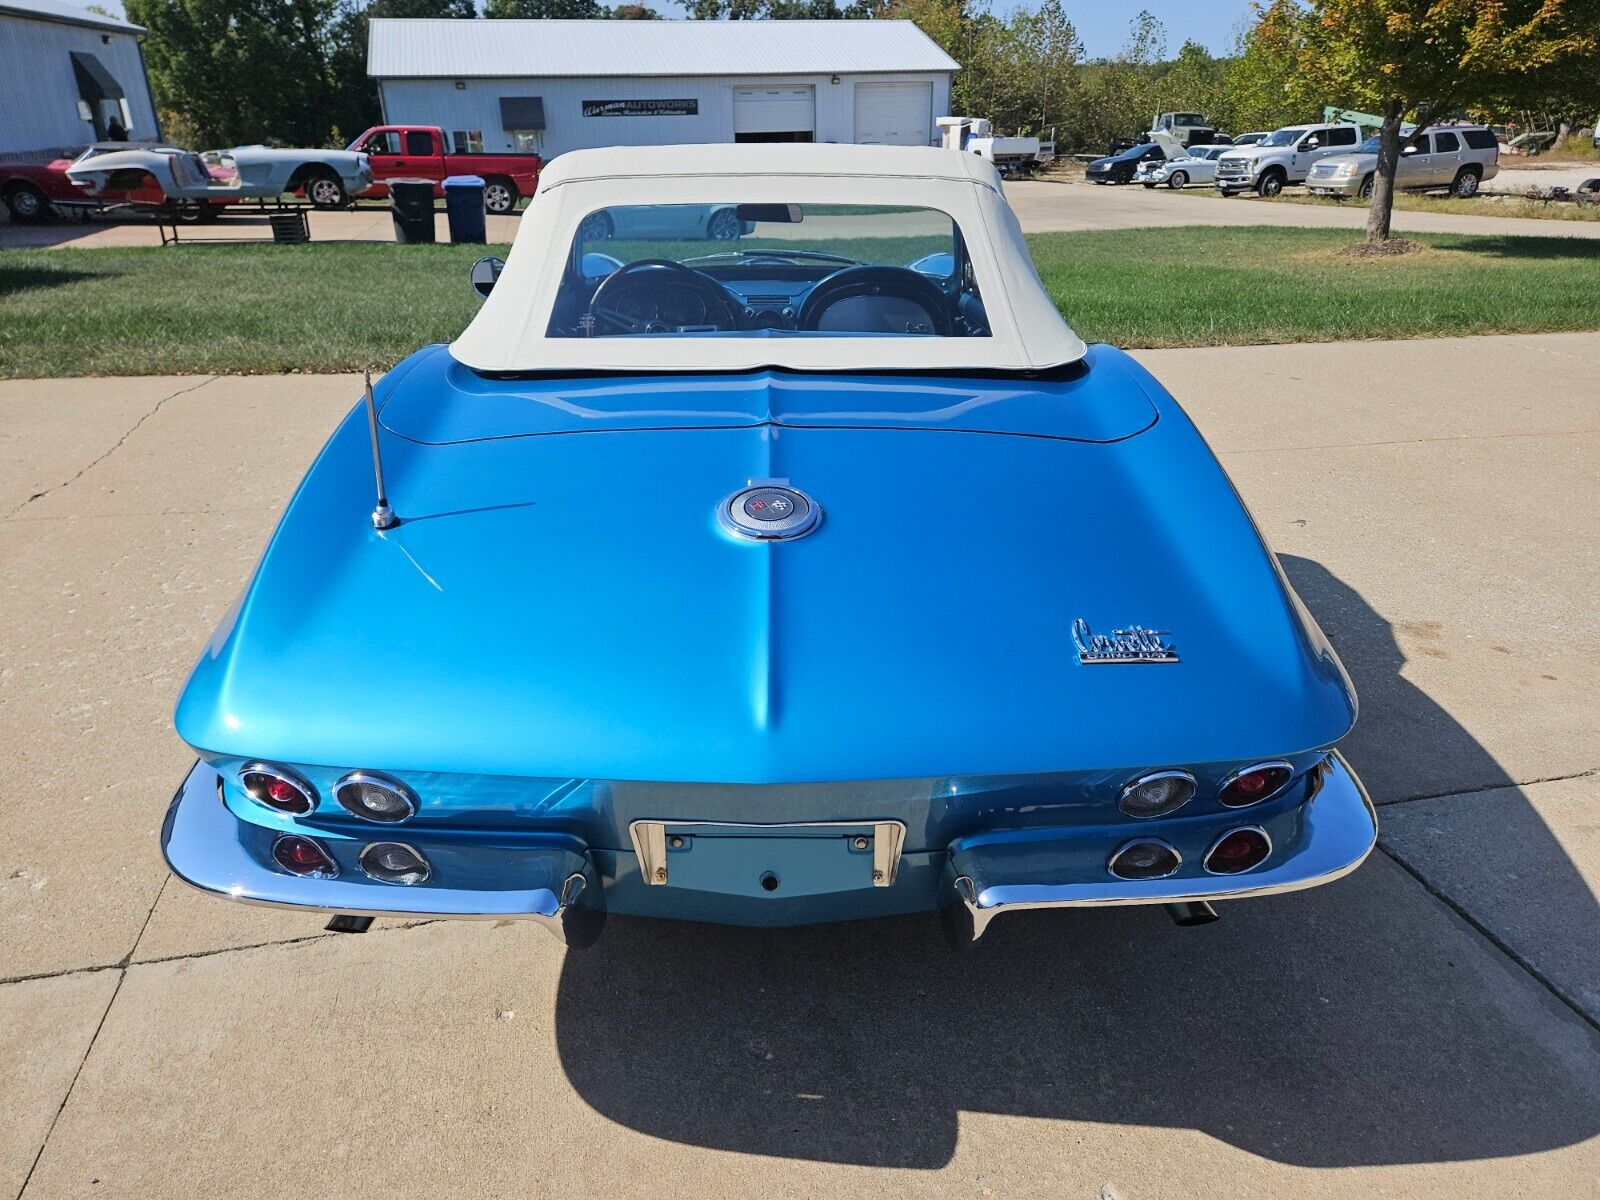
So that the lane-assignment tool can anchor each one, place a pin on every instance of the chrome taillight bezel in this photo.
(379, 779)
(330, 872)
(372, 847)
(1224, 836)
(1150, 777)
(292, 778)
(1177, 859)
(1271, 764)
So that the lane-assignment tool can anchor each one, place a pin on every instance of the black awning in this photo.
(521, 112)
(94, 81)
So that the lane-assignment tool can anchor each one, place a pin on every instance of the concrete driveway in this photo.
(1428, 1027)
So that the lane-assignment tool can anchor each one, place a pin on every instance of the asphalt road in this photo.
(1041, 207)
(1428, 1027)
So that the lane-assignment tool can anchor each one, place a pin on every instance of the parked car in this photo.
(1199, 165)
(1458, 157)
(1120, 168)
(1250, 139)
(698, 590)
(1283, 157)
(674, 222)
(32, 190)
(327, 177)
(421, 152)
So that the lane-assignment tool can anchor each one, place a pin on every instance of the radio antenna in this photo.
(382, 516)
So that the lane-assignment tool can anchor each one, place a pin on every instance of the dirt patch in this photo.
(1392, 248)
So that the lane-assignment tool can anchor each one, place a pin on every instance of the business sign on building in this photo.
(641, 108)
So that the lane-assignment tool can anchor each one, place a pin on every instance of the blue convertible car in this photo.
(818, 573)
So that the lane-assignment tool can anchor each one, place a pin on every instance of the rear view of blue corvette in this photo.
(814, 573)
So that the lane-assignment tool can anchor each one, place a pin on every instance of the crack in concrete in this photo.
(122, 974)
(1421, 441)
(1488, 787)
(120, 442)
(125, 963)
(1491, 937)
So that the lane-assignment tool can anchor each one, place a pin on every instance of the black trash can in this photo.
(411, 203)
(463, 204)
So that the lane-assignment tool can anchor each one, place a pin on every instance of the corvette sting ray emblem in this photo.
(1135, 644)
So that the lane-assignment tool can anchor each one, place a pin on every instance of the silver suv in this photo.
(1282, 157)
(1458, 157)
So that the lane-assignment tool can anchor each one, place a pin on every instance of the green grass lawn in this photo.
(329, 307)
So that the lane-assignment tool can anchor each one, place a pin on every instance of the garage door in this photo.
(774, 114)
(894, 114)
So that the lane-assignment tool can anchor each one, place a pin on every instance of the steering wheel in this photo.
(898, 283)
(655, 272)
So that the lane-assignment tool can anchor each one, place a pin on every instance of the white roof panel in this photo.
(71, 14)
(549, 49)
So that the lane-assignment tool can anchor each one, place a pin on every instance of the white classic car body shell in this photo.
(262, 171)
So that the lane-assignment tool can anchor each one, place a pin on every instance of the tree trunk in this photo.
(1381, 207)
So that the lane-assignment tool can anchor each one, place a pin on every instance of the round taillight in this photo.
(278, 789)
(302, 856)
(1254, 784)
(1148, 859)
(375, 797)
(1157, 794)
(395, 862)
(1238, 851)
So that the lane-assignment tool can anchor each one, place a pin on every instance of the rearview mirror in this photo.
(780, 214)
(484, 273)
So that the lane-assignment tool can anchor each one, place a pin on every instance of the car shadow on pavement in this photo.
(1360, 1023)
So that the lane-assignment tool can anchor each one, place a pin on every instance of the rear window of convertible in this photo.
(767, 270)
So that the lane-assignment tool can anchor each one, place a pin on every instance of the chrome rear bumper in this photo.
(995, 874)
(549, 880)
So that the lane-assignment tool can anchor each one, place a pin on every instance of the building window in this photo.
(467, 141)
(526, 141)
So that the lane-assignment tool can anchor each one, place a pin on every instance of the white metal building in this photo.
(553, 85)
(65, 75)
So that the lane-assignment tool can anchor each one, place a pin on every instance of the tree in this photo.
(1421, 58)
(229, 72)
(1262, 87)
(353, 105)
(567, 9)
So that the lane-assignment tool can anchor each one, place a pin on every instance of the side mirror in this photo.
(1310, 144)
(484, 273)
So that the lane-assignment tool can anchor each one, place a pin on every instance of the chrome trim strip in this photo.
(1122, 796)
(383, 781)
(1111, 863)
(649, 839)
(1260, 766)
(1206, 861)
(1342, 829)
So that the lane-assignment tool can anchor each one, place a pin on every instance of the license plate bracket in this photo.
(773, 860)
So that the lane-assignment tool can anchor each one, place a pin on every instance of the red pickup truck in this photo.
(420, 152)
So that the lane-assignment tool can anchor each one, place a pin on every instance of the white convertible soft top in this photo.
(1027, 333)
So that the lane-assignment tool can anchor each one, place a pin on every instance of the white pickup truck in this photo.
(1282, 157)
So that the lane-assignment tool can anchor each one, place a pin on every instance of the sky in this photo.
(1103, 27)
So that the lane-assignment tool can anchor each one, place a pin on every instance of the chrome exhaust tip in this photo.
(1191, 912)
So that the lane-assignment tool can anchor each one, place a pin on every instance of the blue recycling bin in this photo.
(463, 206)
